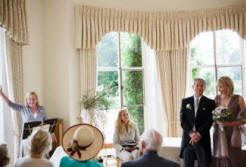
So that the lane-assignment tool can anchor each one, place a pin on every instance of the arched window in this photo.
(119, 69)
(216, 54)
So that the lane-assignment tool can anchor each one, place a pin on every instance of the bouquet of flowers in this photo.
(222, 114)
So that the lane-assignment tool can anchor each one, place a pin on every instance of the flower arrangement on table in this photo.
(92, 105)
(222, 114)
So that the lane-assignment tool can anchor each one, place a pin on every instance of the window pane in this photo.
(108, 127)
(235, 74)
(227, 47)
(202, 49)
(137, 115)
(109, 80)
(132, 82)
(130, 46)
(108, 50)
(208, 75)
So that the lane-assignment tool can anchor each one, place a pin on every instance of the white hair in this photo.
(152, 139)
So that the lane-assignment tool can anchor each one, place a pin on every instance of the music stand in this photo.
(29, 127)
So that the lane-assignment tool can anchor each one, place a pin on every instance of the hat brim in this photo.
(89, 152)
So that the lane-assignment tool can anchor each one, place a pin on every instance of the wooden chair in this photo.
(118, 160)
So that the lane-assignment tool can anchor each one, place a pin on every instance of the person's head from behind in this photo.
(4, 159)
(82, 142)
(199, 86)
(225, 86)
(40, 143)
(31, 99)
(123, 117)
(151, 140)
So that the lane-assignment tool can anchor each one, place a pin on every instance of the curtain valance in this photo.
(161, 30)
(13, 19)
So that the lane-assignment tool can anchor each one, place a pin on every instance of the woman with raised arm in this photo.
(126, 137)
(31, 111)
(227, 141)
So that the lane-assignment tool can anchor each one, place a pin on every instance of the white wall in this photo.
(51, 64)
(33, 53)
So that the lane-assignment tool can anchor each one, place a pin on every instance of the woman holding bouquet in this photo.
(227, 134)
(126, 137)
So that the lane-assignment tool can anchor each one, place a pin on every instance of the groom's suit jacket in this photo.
(202, 122)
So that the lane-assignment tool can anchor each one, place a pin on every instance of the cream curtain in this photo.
(88, 65)
(13, 19)
(15, 89)
(168, 33)
(154, 117)
(160, 30)
(172, 71)
(88, 72)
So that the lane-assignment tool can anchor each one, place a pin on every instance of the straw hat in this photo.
(82, 141)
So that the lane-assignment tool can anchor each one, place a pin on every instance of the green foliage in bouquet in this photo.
(94, 101)
(222, 114)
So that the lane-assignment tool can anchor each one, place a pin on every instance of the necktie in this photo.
(196, 105)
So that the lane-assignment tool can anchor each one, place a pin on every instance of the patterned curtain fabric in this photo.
(160, 30)
(172, 69)
(15, 79)
(13, 19)
(88, 74)
(168, 33)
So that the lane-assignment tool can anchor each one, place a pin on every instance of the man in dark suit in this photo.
(196, 120)
(150, 143)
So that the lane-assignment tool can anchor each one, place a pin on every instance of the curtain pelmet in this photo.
(13, 19)
(160, 30)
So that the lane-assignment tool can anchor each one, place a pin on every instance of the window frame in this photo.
(215, 66)
(120, 69)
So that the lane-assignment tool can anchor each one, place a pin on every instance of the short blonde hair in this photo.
(40, 142)
(4, 159)
(226, 81)
(32, 94)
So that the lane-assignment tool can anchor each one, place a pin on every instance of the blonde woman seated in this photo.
(40, 144)
(126, 137)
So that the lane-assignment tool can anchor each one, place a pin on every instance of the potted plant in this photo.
(92, 107)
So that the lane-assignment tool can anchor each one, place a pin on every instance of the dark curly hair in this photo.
(4, 159)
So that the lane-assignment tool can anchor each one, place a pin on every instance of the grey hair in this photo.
(152, 139)
(40, 142)
(199, 79)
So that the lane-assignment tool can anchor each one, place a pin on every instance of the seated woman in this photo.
(81, 142)
(4, 159)
(39, 145)
(126, 132)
